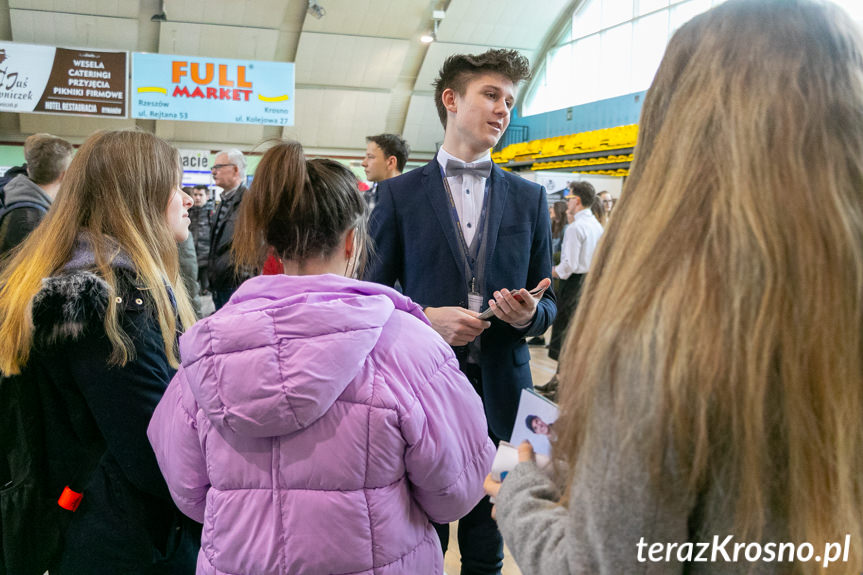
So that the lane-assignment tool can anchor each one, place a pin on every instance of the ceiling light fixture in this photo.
(316, 10)
(437, 16)
(162, 16)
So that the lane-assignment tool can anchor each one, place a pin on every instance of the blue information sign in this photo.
(169, 87)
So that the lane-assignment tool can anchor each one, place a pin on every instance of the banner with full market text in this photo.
(169, 87)
(49, 80)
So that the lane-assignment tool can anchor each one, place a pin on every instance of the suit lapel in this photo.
(439, 200)
(496, 202)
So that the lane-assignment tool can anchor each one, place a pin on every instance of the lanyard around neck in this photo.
(469, 259)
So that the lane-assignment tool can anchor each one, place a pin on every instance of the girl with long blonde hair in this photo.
(90, 307)
(721, 396)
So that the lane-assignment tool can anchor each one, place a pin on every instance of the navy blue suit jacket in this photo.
(417, 244)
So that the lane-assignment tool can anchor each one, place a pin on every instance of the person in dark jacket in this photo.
(47, 159)
(189, 272)
(229, 173)
(201, 229)
(11, 174)
(89, 311)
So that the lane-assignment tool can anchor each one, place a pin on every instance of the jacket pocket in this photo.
(521, 354)
(522, 228)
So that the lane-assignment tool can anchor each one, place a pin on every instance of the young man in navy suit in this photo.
(461, 235)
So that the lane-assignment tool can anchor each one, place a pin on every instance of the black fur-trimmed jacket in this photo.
(126, 522)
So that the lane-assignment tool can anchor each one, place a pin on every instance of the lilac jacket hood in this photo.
(325, 338)
(316, 424)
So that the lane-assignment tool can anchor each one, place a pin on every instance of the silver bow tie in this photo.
(478, 169)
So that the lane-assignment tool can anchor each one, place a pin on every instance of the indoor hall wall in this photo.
(557, 181)
(619, 111)
(11, 156)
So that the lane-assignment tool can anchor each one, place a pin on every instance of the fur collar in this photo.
(67, 305)
(77, 298)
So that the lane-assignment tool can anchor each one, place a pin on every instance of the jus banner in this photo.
(167, 87)
(45, 79)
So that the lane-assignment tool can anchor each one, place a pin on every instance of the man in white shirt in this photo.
(576, 253)
(460, 235)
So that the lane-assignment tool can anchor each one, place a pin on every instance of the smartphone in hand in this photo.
(488, 314)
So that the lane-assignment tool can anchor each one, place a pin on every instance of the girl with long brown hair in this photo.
(721, 396)
(559, 221)
(90, 307)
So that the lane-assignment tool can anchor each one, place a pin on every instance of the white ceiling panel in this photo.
(423, 130)
(217, 41)
(381, 18)
(360, 69)
(338, 118)
(512, 23)
(75, 128)
(252, 13)
(219, 135)
(74, 30)
(440, 51)
(357, 61)
(117, 8)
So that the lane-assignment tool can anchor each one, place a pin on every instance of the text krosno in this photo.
(729, 551)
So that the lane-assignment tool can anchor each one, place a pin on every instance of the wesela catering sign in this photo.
(45, 79)
(168, 87)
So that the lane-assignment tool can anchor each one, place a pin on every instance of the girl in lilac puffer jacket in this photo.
(317, 423)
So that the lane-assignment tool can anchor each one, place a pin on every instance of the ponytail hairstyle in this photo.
(301, 208)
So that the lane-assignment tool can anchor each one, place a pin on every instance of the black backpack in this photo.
(32, 520)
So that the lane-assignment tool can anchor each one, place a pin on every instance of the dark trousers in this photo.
(479, 541)
(203, 277)
(221, 296)
(567, 302)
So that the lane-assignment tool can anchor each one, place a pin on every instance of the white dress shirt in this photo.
(579, 243)
(468, 193)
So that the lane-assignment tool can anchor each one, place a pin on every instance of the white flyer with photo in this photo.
(534, 422)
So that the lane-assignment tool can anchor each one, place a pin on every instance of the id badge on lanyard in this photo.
(474, 298)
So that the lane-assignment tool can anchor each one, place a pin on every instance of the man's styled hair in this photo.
(585, 192)
(47, 157)
(458, 69)
(392, 145)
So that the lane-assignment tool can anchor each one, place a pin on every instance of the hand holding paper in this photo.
(507, 457)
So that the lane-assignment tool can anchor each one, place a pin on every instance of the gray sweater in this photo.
(612, 507)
